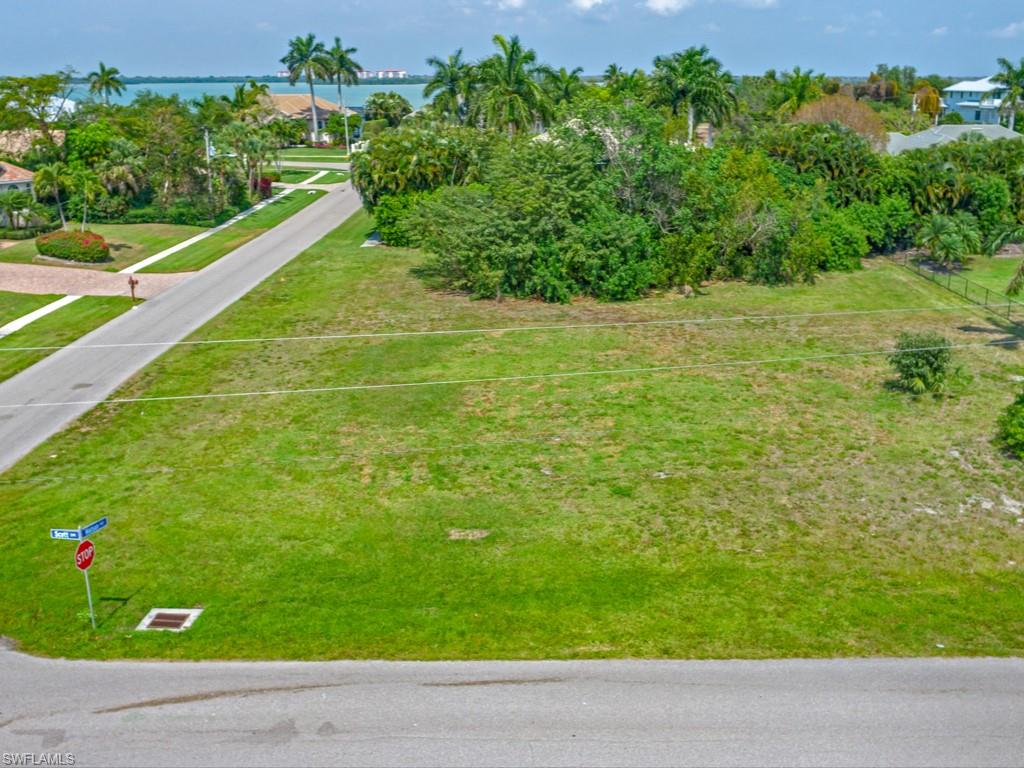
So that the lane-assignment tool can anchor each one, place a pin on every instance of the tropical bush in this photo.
(922, 362)
(1011, 427)
(86, 246)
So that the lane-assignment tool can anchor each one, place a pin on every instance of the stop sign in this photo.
(84, 555)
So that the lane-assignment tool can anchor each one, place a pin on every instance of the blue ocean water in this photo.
(354, 95)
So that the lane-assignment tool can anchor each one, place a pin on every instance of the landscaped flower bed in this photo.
(87, 247)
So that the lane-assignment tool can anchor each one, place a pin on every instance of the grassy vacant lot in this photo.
(129, 243)
(61, 327)
(221, 243)
(788, 509)
(312, 153)
(995, 274)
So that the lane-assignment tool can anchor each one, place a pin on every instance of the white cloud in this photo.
(510, 5)
(1016, 29)
(586, 5)
(832, 29)
(667, 7)
(940, 31)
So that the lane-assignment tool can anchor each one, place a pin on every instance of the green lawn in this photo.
(794, 509)
(221, 243)
(995, 274)
(333, 177)
(56, 329)
(129, 243)
(296, 175)
(15, 305)
(312, 153)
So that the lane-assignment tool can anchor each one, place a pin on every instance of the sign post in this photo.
(84, 556)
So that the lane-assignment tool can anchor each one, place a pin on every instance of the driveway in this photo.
(603, 713)
(316, 164)
(74, 375)
(34, 278)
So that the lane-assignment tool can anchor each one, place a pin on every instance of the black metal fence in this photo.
(996, 302)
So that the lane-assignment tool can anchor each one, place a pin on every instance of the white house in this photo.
(976, 101)
(14, 178)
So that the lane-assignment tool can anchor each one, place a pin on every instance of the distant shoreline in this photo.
(140, 80)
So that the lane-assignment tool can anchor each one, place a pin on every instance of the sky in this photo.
(248, 37)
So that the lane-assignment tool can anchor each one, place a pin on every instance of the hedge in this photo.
(26, 234)
(87, 247)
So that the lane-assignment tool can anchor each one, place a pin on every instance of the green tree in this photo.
(796, 88)
(18, 207)
(950, 238)
(34, 102)
(248, 101)
(562, 85)
(307, 58)
(105, 81)
(88, 186)
(451, 85)
(1012, 77)
(50, 180)
(389, 106)
(343, 70)
(511, 97)
(693, 80)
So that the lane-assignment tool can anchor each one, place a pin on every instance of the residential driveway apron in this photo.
(34, 278)
(76, 375)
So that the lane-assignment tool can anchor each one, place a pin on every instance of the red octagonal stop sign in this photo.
(84, 555)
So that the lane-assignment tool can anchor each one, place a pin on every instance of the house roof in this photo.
(985, 85)
(10, 173)
(944, 134)
(296, 105)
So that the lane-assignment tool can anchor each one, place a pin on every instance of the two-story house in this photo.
(977, 101)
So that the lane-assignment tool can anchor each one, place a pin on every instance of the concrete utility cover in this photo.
(169, 619)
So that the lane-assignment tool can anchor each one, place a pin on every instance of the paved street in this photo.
(831, 713)
(72, 374)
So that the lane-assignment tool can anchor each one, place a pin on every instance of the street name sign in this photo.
(67, 534)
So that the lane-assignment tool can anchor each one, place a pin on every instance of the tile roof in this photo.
(10, 172)
(296, 105)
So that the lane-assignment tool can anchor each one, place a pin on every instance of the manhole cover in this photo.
(170, 619)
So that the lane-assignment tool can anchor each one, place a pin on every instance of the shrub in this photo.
(1011, 427)
(390, 215)
(28, 233)
(953, 118)
(922, 362)
(847, 243)
(373, 128)
(87, 247)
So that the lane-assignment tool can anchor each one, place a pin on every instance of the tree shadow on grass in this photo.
(1004, 333)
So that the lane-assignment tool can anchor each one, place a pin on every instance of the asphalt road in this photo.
(73, 374)
(606, 713)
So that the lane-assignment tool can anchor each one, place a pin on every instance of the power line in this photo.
(502, 379)
(510, 329)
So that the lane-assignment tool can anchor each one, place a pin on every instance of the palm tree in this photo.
(451, 85)
(105, 81)
(50, 179)
(122, 170)
(1013, 78)
(511, 97)
(797, 88)
(612, 74)
(344, 70)
(248, 100)
(695, 80)
(563, 86)
(88, 185)
(307, 58)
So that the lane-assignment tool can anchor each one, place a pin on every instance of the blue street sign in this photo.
(68, 534)
(91, 528)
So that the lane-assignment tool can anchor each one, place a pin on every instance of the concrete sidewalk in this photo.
(36, 278)
(898, 712)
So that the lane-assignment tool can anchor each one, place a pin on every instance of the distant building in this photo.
(295, 106)
(944, 134)
(382, 74)
(976, 101)
(14, 178)
(282, 73)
